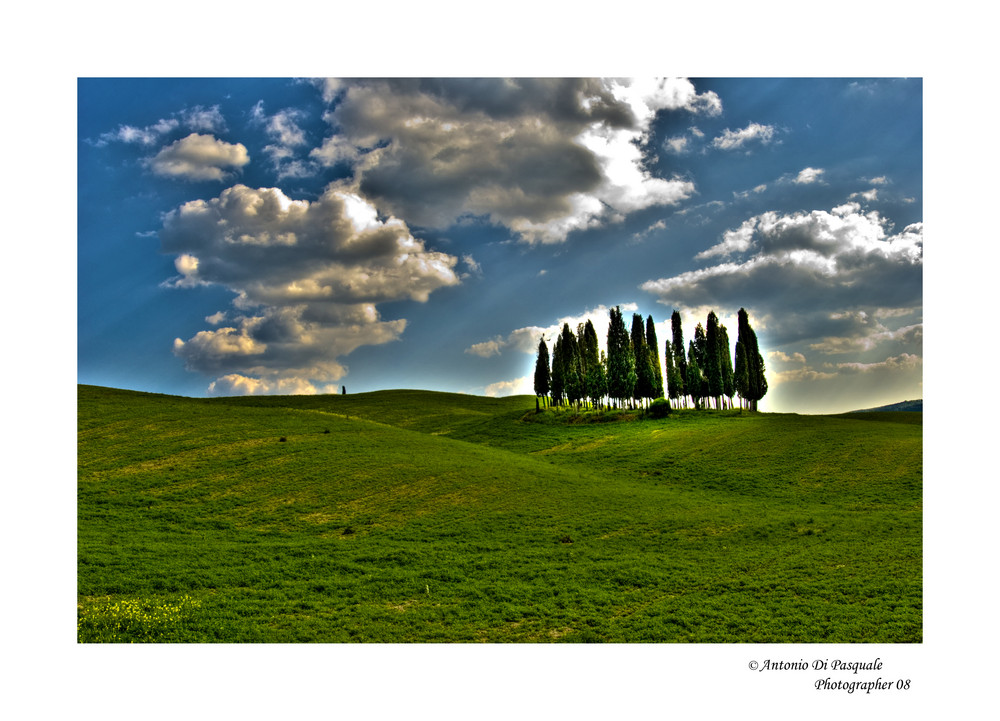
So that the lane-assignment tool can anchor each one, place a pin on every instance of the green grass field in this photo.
(414, 516)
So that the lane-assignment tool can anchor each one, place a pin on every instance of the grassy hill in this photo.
(403, 516)
(902, 406)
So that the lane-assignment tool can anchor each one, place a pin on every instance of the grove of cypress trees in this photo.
(631, 371)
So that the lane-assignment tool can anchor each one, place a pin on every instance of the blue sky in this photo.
(288, 236)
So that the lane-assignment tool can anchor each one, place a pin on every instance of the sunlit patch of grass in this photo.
(133, 620)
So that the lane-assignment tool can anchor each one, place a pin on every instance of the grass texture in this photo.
(415, 516)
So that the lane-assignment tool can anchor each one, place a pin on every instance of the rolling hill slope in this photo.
(421, 516)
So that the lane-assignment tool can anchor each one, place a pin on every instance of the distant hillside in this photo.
(916, 406)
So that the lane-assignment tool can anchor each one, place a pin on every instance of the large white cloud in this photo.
(543, 157)
(307, 278)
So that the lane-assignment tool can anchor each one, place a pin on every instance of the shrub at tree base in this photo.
(660, 408)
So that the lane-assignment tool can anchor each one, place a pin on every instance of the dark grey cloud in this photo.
(542, 157)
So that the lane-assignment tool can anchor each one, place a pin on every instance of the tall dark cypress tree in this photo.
(601, 379)
(741, 376)
(700, 344)
(558, 387)
(572, 377)
(621, 362)
(582, 355)
(593, 370)
(695, 380)
(677, 335)
(643, 368)
(697, 347)
(755, 381)
(654, 351)
(543, 375)
(759, 379)
(728, 386)
(713, 361)
(675, 382)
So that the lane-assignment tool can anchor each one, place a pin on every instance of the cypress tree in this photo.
(753, 362)
(654, 351)
(677, 333)
(728, 386)
(741, 377)
(543, 375)
(601, 379)
(593, 369)
(621, 362)
(643, 367)
(694, 380)
(572, 378)
(583, 358)
(675, 382)
(700, 344)
(713, 360)
(558, 372)
(697, 347)
(758, 381)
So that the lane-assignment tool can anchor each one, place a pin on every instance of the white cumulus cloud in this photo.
(753, 134)
(199, 157)
(809, 175)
